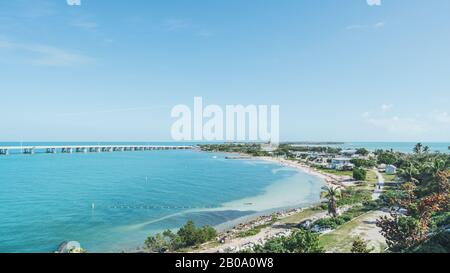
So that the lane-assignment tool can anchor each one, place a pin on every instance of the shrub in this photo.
(351, 196)
(360, 246)
(300, 241)
(187, 236)
(332, 222)
(364, 163)
(359, 174)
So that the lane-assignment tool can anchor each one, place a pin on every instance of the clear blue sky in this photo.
(112, 70)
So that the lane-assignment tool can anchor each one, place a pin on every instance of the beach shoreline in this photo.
(332, 180)
(228, 230)
(228, 237)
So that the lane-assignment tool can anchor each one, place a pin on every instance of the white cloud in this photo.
(73, 2)
(374, 2)
(43, 55)
(442, 117)
(420, 125)
(386, 107)
(399, 125)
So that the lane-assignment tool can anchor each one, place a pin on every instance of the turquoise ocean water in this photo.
(111, 202)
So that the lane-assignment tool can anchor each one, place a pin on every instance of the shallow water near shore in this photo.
(111, 202)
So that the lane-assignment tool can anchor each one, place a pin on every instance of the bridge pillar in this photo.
(67, 150)
(28, 151)
(4, 152)
(81, 150)
(51, 151)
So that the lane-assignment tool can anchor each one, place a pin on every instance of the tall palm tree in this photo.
(426, 149)
(332, 194)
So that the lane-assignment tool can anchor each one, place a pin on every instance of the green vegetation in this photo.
(360, 246)
(335, 172)
(359, 174)
(418, 196)
(362, 151)
(314, 149)
(187, 236)
(371, 177)
(364, 163)
(389, 177)
(341, 240)
(256, 230)
(250, 148)
(332, 222)
(336, 221)
(332, 194)
(300, 241)
(438, 243)
(386, 157)
(420, 221)
(301, 216)
(354, 195)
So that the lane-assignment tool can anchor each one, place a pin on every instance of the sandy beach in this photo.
(330, 179)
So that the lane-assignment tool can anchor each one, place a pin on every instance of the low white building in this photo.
(390, 169)
(341, 163)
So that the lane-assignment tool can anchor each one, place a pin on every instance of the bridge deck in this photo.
(87, 147)
(4, 150)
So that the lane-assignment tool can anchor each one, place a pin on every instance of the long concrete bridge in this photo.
(87, 149)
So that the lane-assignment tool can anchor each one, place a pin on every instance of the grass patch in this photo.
(389, 177)
(334, 222)
(301, 216)
(372, 177)
(354, 195)
(251, 232)
(341, 239)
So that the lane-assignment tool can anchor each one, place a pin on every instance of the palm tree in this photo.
(426, 149)
(418, 148)
(410, 172)
(332, 194)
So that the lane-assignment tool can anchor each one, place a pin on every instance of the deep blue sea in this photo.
(111, 202)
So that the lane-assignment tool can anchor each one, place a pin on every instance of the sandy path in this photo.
(364, 226)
